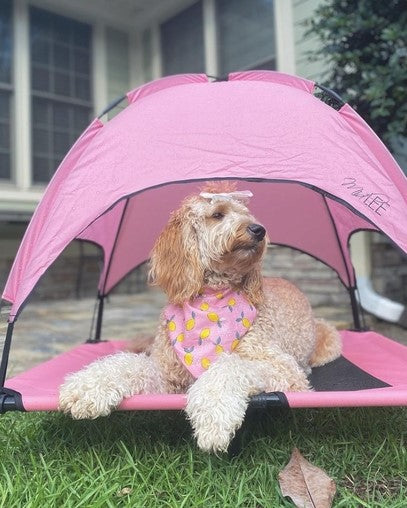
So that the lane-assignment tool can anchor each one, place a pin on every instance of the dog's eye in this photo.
(218, 215)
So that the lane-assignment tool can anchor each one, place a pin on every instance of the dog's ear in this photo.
(175, 260)
(253, 287)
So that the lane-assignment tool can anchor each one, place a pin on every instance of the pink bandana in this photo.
(207, 326)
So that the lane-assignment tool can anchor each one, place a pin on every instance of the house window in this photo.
(182, 42)
(60, 88)
(245, 35)
(147, 44)
(118, 72)
(5, 88)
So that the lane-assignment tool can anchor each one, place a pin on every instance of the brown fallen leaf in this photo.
(306, 485)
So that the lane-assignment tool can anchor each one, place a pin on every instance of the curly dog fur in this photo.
(209, 244)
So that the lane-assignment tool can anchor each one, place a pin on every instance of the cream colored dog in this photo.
(213, 242)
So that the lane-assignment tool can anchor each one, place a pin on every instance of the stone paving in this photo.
(46, 329)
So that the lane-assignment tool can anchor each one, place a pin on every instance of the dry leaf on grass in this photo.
(307, 485)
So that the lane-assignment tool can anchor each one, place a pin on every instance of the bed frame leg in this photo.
(99, 321)
(355, 309)
(236, 446)
(237, 443)
(259, 407)
(10, 400)
(5, 354)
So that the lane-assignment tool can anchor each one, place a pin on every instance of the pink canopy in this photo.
(317, 174)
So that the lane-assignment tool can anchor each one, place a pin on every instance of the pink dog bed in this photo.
(318, 174)
(361, 377)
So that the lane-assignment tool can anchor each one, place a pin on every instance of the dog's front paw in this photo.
(215, 425)
(82, 400)
(216, 440)
(215, 415)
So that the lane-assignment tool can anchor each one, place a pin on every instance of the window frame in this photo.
(8, 88)
(212, 58)
(164, 25)
(51, 99)
(21, 193)
(256, 64)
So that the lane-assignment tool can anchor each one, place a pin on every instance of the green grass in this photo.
(150, 460)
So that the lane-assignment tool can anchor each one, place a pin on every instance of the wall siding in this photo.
(303, 11)
(117, 67)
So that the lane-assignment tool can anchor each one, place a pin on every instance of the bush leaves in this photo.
(364, 48)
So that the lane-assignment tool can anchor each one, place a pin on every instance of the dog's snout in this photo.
(257, 231)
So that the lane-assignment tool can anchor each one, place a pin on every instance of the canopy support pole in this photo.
(101, 294)
(5, 355)
(355, 309)
(99, 320)
(10, 400)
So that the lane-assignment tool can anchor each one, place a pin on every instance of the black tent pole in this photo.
(5, 355)
(101, 296)
(355, 308)
(99, 319)
(10, 400)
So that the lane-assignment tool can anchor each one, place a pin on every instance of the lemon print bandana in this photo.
(205, 327)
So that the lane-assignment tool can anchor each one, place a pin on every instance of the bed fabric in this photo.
(371, 372)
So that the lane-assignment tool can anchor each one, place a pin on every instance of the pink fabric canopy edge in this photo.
(219, 135)
(373, 353)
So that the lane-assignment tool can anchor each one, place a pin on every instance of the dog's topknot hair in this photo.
(215, 187)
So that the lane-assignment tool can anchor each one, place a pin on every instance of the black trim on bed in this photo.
(10, 400)
(268, 400)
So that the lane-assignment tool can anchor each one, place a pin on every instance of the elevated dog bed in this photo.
(318, 174)
(361, 377)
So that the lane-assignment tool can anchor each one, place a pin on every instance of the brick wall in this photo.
(319, 282)
(75, 274)
(67, 279)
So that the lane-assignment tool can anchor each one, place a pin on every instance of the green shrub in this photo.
(364, 44)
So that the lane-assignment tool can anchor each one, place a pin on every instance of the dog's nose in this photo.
(257, 231)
